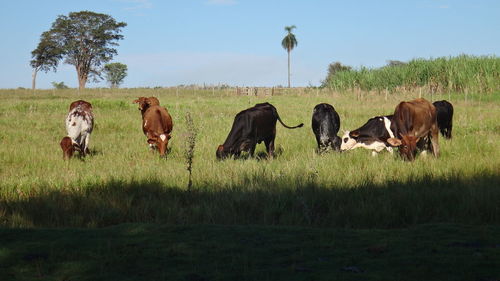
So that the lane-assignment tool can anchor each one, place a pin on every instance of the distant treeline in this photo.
(446, 74)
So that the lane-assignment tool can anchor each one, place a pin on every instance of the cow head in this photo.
(67, 147)
(160, 142)
(348, 140)
(407, 146)
(220, 153)
(336, 143)
(145, 103)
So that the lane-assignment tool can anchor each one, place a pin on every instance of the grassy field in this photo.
(123, 182)
(123, 213)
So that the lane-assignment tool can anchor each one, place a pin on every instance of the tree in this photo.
(45, 57)
(59, 85)
(115, 73)
(333, 69)
(392, 63)
(86, 40)
(288, 43)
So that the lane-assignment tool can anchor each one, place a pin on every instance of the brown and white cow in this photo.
(79, 126)
(157, 123)
(415, 125)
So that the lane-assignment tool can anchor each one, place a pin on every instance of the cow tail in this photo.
(284, 125)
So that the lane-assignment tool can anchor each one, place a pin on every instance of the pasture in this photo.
(122, 181)
(124, 213)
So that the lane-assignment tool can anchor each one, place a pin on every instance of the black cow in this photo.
(444, 111)
(372, 135)
(326, 125)
(252, 126)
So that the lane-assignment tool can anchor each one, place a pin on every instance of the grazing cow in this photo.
(145, 103)
(157, 123)
(415, 125)
(79, 126)
(444, 111)
(252, 126)
(326, 125)
(372, 135)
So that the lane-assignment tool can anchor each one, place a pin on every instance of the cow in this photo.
(372, 135)
(444, 111)
(250, 127)
(415, 126)
(157, 123)
(145, 103)
(79, 126)
(326, 125)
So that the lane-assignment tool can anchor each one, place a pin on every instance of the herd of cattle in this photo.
(414, 126)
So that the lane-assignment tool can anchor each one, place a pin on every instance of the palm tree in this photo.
(288, 43)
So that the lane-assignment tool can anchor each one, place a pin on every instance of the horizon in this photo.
(237, 43)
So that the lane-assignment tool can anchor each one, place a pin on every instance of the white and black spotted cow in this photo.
(79, 126)
(326, 125)
(372, 135)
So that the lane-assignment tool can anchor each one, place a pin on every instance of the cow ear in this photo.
(354, 134)
(151, 141)
(394, 141)
(136, 101)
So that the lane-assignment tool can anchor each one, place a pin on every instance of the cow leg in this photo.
(86, 142)
(252, 148)
(434, 134)
(270, 147)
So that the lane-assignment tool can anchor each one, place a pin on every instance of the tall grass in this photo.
(123, 182)
(440, 75)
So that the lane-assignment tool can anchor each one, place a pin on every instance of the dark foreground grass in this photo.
(215, 252)
(297, 201)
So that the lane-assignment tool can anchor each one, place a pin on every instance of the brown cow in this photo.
(145, 103)
(415, 124)
(157, 123)
(79, 126)
(67, 147)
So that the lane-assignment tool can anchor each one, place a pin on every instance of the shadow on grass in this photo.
(261, 201)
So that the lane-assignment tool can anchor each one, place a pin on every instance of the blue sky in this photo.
(238, 42)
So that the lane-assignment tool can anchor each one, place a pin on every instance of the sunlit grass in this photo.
(297, 187)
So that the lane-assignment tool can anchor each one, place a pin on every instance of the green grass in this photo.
(123, 182)
(462, 74)
(215, 252)
(123, 213)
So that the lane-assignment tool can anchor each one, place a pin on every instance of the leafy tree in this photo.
(86, 40)
(288, 43)
(334, 68)
(115, 73)
(392, 63)
(45, 57)
(59, 85)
